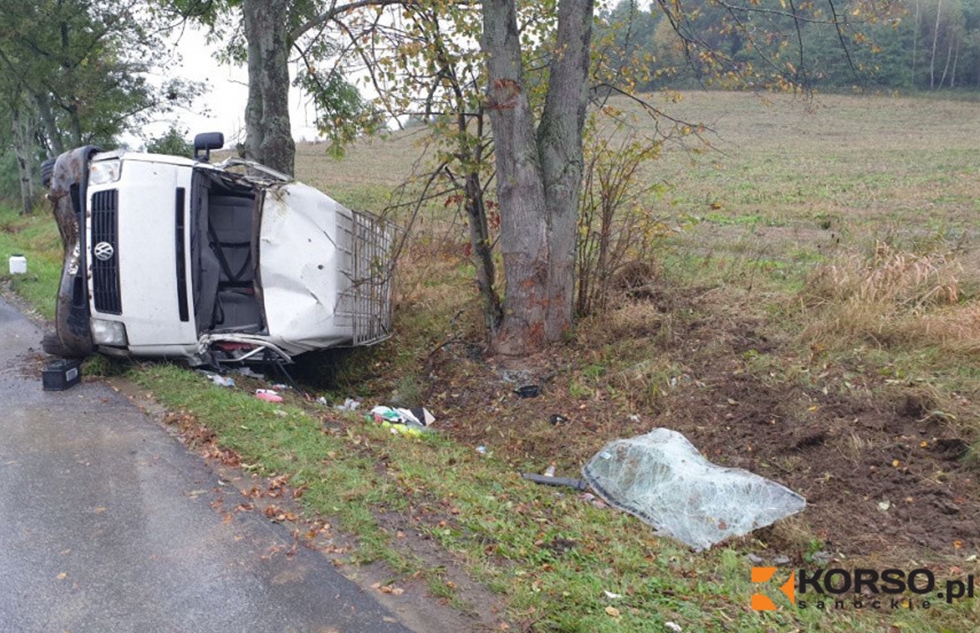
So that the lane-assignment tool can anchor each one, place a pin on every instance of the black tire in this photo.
(47, 169)
(53, 346)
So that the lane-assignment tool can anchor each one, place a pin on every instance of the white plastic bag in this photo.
(663, 480)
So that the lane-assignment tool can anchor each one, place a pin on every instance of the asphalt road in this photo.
(106, 525)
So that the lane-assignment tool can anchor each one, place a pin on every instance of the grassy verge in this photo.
(37, 238)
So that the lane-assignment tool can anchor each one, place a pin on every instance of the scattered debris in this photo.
(419, 417)
(557, 419)
(269, 395)
(349, 405)
(515, 376)
(244, 370)
(218, 379)
(528, 391)
(613, 596)
(673, 626)
(410, 422)
(18, 264)
(662, 479)
(61, 374)
(482, 450)
(594, 500)
(551, 480)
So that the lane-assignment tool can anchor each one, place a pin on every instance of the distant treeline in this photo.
(904, 45)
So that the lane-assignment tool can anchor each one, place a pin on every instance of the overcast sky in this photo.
(223, 106)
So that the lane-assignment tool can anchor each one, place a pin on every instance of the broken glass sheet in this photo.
(663, 480)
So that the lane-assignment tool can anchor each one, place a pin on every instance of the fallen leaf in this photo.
(612, 612)
(62, 576)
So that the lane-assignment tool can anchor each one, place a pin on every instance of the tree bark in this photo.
(560, 147)
(268, 137)
(539, 173)
(520, 188)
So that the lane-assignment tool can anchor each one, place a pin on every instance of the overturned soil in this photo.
(885, 474)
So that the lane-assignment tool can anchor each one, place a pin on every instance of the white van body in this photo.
(229, 262)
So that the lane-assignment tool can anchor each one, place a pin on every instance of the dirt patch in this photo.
(884, 475)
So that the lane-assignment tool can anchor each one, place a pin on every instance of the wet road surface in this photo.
(106, 525)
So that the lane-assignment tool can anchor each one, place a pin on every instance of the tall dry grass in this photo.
(890, 298)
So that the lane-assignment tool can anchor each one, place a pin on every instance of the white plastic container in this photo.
(18, 264)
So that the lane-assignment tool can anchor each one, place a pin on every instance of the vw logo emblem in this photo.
(103, 251)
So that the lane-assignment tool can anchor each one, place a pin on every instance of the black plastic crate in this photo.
(61, 374)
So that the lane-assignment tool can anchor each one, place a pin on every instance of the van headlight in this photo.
(103, 172)
(109, 333)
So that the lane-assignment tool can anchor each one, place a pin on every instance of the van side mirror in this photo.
(206, 142)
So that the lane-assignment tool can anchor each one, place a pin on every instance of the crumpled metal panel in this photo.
(303, 268)
(67, 195)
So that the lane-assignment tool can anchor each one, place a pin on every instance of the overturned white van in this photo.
(215, 263)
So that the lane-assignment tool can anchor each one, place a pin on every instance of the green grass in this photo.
(35, 237)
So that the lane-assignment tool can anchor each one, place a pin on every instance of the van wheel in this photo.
(53, 346)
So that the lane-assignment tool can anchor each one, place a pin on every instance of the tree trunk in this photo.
(476, 211)
(560, 147)
(268, 137)
(956, 58)
(52, 131)
(949, 56)
(538, 173)
(23, 150)
(520, 188)
(915, 38)
(935, 42)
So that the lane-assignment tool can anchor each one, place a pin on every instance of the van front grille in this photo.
(105, 252)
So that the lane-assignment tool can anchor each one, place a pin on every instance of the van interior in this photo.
(224, 242)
